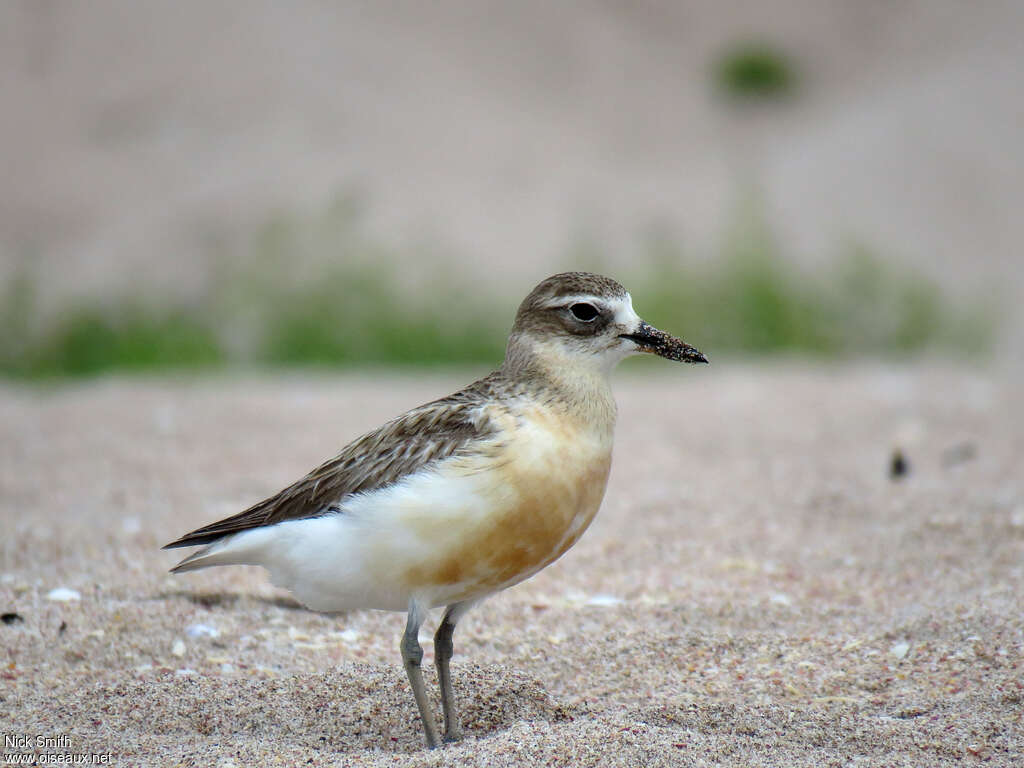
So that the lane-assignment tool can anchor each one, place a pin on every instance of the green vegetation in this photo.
(90, 340)
(746, 300)
(755, 71)
(352, 312)
(752, 301)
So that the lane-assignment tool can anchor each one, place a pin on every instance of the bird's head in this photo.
(579, 318)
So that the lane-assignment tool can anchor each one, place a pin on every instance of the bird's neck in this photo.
(578, 385)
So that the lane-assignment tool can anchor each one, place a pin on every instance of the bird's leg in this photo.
(412, 655)
(443, 650)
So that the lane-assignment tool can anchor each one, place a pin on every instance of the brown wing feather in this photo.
(380, 458)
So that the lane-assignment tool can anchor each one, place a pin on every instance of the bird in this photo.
(463, 497)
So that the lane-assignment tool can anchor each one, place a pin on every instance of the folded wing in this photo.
(380, 458)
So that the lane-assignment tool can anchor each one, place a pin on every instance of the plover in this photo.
(462, 497)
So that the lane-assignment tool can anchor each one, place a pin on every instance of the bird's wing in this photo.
(380, 458)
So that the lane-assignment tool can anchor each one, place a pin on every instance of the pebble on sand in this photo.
(202, 630)
(899, 650)
(604, 600)
(63, 595)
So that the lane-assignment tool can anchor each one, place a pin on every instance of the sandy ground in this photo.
(755, 591)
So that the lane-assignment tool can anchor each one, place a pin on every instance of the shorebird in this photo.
(464, 496)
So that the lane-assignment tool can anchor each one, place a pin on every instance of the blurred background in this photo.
(351, 183)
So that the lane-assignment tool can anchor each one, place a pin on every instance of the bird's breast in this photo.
(536, 492)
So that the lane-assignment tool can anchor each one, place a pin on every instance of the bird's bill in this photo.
(650, 339)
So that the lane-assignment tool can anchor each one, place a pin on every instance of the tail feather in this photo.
(243, 548)
(223, 551)
(206, 557)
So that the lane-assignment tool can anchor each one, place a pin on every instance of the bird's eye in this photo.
(583, 312)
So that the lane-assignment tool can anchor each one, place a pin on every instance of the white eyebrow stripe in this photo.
(624, 312)
(564, 301)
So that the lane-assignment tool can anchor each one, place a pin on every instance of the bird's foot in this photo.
(452, 735)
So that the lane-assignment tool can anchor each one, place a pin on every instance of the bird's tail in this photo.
(242, 548)
(225, 551)
(204, 558)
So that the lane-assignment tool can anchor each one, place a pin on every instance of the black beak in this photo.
(650, 339)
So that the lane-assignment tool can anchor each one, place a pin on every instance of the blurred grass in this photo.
(354, 312)
(755, 71)
(754, 301)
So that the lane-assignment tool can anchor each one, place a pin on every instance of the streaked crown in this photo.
(539, 311)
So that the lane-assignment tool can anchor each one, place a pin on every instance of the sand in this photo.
(757, 589)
